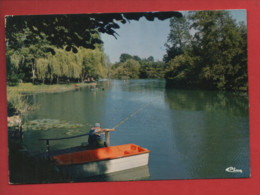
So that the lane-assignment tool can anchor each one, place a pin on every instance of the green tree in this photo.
(93, 64)
(27, 50)
(150, 58)
(124, 57)
(181, 71)
(12, 68)
(42, 68)
(127, 70)
(151, 69)
(218, 43)
(34, 62)
(217, 57)
(179, 37)
(135, 67)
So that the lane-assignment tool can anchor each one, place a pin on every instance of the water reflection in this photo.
(210, 131)
(135, 174)
(235, 103)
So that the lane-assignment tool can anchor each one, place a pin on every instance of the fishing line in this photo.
(127, 118)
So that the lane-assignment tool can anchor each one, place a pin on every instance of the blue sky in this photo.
(144, 38)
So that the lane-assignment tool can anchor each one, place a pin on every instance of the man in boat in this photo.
(94, 138)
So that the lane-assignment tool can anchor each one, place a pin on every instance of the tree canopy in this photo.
(75, 30)
(215, 56)
(133, 67)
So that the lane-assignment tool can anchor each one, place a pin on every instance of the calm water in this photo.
(190, 133)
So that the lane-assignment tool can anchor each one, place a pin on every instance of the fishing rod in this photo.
(107, 133)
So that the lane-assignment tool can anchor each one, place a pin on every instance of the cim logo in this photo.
(233, 170)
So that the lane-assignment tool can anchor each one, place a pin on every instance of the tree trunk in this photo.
(33, 71)
(33, 74)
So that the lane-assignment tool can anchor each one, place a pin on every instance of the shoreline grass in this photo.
(28, 88)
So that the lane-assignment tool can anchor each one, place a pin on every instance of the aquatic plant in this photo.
(46, 124)
(16, 103)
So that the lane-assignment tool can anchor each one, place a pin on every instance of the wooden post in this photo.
(48, 148)
(107, 136)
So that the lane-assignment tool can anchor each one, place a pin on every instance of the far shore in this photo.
(28, 88)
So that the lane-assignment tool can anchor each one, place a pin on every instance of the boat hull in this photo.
(105, 167)
(129, 157)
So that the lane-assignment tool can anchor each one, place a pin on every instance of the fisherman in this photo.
(94, 138)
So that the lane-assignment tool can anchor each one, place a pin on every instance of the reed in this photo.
(16, 103)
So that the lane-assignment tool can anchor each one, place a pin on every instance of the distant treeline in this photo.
(133, 67)
(207, 49)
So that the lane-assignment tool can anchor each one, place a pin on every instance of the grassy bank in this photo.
(30, 88)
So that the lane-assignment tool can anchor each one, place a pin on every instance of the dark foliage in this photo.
(72, 31)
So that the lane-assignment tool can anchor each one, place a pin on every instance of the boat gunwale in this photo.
(59, 163)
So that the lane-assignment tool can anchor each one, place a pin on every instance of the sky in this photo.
(145, 38)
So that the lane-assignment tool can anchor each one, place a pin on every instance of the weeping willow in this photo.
(64, 65)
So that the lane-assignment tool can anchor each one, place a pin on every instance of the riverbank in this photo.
(28, 88)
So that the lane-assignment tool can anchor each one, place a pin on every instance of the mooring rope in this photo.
(60, 138)
(127, 118)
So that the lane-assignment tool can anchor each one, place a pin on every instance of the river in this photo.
(190, 133)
